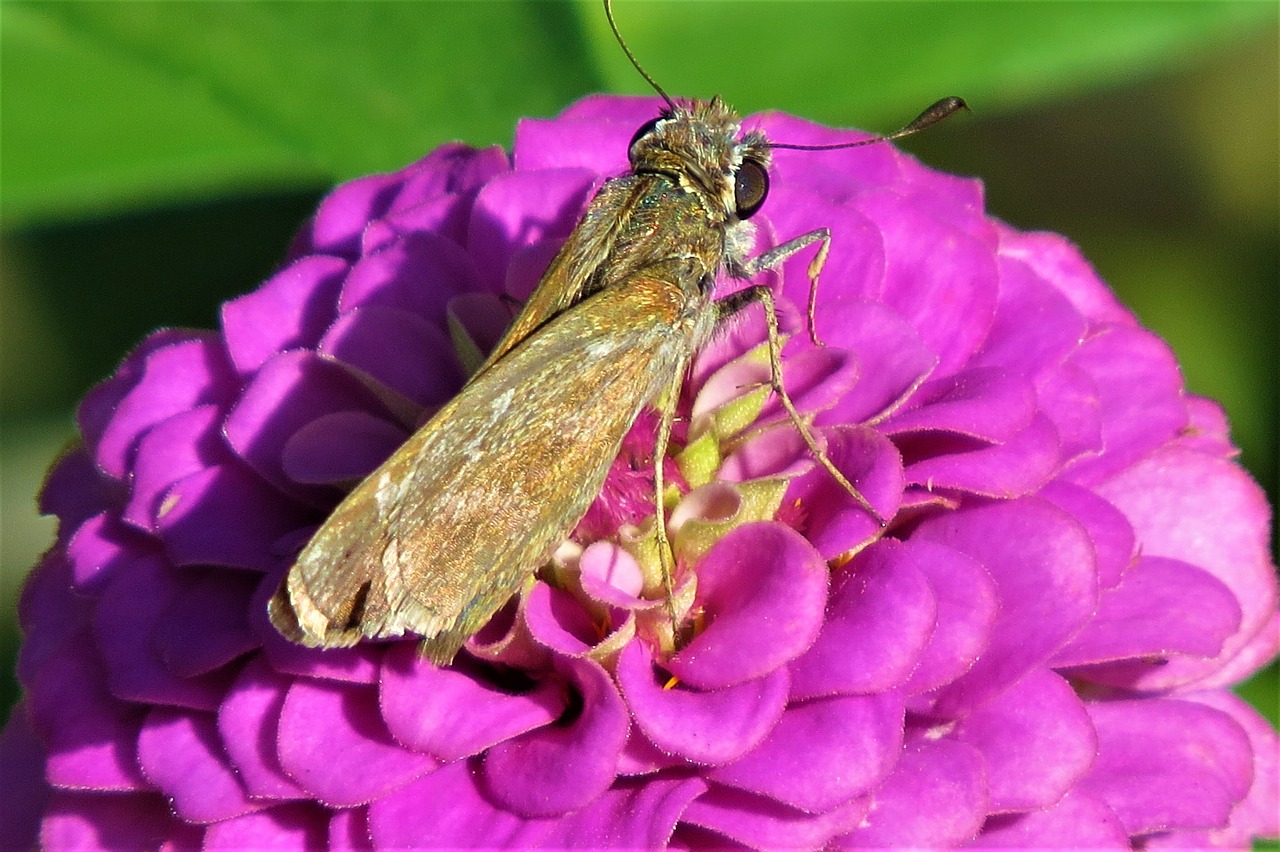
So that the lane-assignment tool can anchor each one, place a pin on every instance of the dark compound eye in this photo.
(645, 130)
(750, 187)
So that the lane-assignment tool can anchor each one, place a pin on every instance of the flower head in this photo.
(1035, 651)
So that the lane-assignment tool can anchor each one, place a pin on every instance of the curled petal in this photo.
(420, 704)
(290, 310)
(1036, 741)
(562, 767)
(1078, 820)
(760, 822)
(936, 797)
(880, 617)
(1167, 764)
(762, 588)
(180, 752)
(1043, 566)
(702, 726)
(297, 826)
(357, 760)
(823, 752)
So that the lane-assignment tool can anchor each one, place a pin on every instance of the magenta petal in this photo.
(345, 212)
(124, 625)
(174, 379)
(24, 792)
(823, 752)
(446, 809)
(290, 826)
(815, 379)
(932, 264)
(181, 753)
(1014, 468)
(556, 620)
(1161, 608)
(967, 604)
(1043, 565)
(762, 823)
(1069, 398)
(1219, 525)
(1037, 741)
(349, 831)
(989, 404)
(935, 798)
(94, 821)
(419, 273)
(96, 412)
(339, 448)
(1140, 396)
(611, 575)
(290, 310)
(75, 489)
(393, 345)
(182, 445)
(589, 133)
(357, 760)
(856, 260)
(777, 453)
(1035, 324)
(880, 615)
(678, 720)
(1058, 261)
(214, 605)
(641, 757)
(91, 736)
(562, 767)
(1077, 821)
(762, 588)
(199, 508)
(103, 548)
(420, 703)
(892, 359)
(1167, 764)
(521, 208)
(1109, 530)
(290, 391)
(1257, 815)
(248, 722)
(835, 522)
(629, 815)
(52, 616)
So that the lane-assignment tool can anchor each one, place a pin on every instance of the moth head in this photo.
(702, 147)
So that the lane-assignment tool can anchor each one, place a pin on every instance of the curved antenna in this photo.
(613, 25)
(931, 116)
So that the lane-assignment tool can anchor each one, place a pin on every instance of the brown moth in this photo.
(440, 536)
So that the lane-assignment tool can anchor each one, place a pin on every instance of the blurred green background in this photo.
(156, 157)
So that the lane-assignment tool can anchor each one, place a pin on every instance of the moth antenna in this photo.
(931, 116)
(613, 25)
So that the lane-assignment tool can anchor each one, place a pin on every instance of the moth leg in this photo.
(775, 256)
(666, 557)
(735, 302)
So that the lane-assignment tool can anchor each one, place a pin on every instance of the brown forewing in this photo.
(445, 531)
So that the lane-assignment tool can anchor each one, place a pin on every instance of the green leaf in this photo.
(876, 63)
(113, 105)
(109, 104)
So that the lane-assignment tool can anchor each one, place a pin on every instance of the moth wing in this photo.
(435, 540)
(569, 276)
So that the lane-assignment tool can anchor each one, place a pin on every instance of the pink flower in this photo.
(1036, 651)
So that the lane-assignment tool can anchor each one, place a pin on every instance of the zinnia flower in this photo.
(1037, 650)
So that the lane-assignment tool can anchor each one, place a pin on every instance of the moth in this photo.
(447, 529)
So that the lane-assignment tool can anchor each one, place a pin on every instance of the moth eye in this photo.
(750, 187)
(645, 130)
